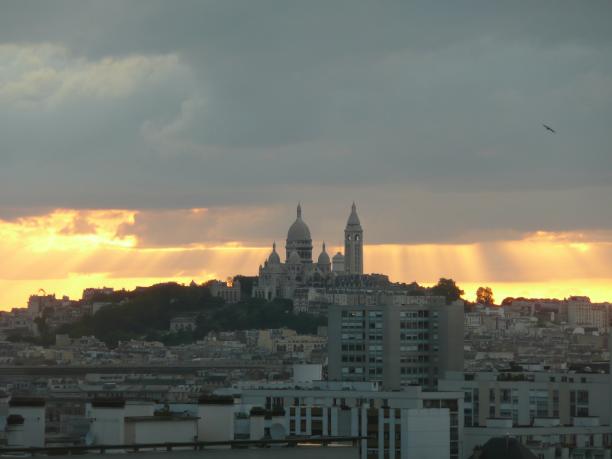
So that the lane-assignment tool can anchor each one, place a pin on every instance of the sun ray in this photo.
(67, 250)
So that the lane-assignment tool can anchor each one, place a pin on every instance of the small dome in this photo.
(324, 257)
(299, 230)
(294, 258)
(338, 257)
(274, 259)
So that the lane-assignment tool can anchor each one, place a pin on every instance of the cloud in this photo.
(200, 227)
(256, 105)
(80, 225)
(44, 76)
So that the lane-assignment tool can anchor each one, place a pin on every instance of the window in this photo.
(582, 412)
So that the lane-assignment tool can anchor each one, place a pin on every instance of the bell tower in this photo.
(353, 244)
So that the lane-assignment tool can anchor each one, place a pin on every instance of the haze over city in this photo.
(150, 141)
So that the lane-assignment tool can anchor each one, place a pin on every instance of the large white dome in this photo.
(299, 230)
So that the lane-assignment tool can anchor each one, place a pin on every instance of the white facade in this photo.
(216, 419)
(419, 424)
(31, 432)
(107, 422)
(582, 313)
(547, 412)
(158, 429)
(280, 279)
(15, 432)
(307, 372)
(523, 396)
(427, 434)
(139, 408)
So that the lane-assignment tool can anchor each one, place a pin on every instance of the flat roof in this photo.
(298, 452)
(160, 418)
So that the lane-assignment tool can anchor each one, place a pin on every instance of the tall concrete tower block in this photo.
(353, 244)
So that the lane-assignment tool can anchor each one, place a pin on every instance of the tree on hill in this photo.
(142, 311)
(484, 295)
(448, 289)
(246, 284)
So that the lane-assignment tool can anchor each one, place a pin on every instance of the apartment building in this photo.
(395, 340)
(548, 412)
(403, 424)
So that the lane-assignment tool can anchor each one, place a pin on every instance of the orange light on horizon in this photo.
(67, 250)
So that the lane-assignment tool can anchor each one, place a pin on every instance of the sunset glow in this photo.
(65, 251)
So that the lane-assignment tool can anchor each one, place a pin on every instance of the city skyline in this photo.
(113, 244)
(367, 229)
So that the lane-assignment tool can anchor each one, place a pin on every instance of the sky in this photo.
(148, 140)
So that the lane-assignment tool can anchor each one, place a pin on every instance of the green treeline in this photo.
(145, 314)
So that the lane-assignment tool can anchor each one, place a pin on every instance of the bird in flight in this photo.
(548, 128)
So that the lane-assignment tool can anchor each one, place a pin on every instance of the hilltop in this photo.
(145, 313)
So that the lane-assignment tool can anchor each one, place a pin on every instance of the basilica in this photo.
(279, 279)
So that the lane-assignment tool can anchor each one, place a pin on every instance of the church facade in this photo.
(278, 279)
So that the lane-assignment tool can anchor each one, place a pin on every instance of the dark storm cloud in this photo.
(428, 113)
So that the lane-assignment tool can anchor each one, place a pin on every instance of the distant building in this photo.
(280, 279)
(229, 290)
(554, 414)
(183, 323)
(397, 340)
(267, 338)
(38, 303)
(90, 293)
(523, 396)
(582, 313)
(399, 424)
(353, 244)
(299, 345)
